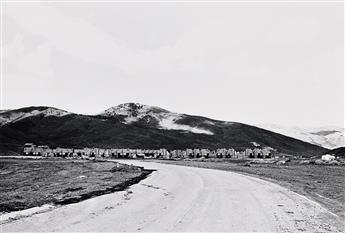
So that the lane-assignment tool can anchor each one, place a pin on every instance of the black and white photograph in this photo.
(172, 116)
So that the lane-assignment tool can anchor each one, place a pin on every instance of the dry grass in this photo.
(324, 184)
(27, 183)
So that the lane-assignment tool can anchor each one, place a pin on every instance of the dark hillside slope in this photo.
(74, 130)
(340, 152)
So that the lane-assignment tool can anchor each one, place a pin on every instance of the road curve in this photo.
(177, 198)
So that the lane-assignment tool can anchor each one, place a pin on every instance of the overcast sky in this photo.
(256, 63)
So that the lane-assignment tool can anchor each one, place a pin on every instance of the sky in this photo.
(256, 63)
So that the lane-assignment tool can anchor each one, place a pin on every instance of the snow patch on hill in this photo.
(328, 137)
(169, 122)
(209, 122)
(134, 112)
(54, 112)
(13, 116)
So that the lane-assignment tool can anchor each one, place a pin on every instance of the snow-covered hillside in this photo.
(328, 137)
(134, 112)
(10, 116)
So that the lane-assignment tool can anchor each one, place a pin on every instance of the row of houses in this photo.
(31, 149)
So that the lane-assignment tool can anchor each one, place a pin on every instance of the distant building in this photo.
(205, 153)
(189, 153)
(29, 148)
(221, 153)
(127, 153)
(249, 153)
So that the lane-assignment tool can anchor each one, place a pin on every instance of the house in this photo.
(221, 153)
(257, 153)
(29, 148)
(189, 153)
(249, 153)
(79, 152)
(267, 152)
(230, 153)
(205, 153)
(94, 153)
(43, 150)
(62, 152)
(161, 153)
(240, 155)
(213, 154)
(32, 149)
(196, 153)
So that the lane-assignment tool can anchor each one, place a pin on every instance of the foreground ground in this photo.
(324, 184)
(26, 183)
(179, 198)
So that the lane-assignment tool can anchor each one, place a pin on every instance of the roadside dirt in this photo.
(177, 198)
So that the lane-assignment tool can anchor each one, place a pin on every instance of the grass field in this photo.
(26, 183)
(324, 184)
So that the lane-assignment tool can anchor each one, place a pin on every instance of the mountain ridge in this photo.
(329, 137)
(134, 125)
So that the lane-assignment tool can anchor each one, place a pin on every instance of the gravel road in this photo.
(178, 198)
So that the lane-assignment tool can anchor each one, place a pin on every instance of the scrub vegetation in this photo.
(26, 183)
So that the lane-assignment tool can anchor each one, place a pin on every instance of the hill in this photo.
(328, 137)
(339, 152)
(137, 126)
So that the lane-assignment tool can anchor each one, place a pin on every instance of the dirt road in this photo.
(177, 198)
